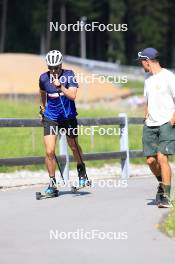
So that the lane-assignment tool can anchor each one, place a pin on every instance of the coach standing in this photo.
(159, 129)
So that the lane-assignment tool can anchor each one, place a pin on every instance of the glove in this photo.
(57, 83)
(41, 113)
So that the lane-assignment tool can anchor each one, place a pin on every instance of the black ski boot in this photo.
(81, 169)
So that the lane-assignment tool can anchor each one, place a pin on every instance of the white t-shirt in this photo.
(159, 90)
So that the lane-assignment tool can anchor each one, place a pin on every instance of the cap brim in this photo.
(140, 59)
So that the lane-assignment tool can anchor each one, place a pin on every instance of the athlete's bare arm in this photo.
(70, 93)
(43, 99)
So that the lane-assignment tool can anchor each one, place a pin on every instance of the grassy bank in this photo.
(168, 225)
(18, 142)
(135, 86)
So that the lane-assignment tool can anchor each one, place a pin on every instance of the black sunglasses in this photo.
(53, 67)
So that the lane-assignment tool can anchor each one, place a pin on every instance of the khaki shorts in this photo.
(159, 139)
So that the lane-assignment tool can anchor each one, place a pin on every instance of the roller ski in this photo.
(83, 179)
(87, 183)
(50, 192)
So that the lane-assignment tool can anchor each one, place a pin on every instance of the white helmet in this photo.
(54, 58)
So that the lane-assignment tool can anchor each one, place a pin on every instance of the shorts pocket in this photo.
(167, 132)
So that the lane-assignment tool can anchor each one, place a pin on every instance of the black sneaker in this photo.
(160, 191)
(164, 201)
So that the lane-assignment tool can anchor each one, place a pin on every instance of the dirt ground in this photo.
(19, 74)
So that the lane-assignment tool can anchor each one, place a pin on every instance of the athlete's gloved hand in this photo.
(41, 113)
(57, 83)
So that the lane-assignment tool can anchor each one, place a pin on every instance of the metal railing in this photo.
(124, 154)
(108, 68)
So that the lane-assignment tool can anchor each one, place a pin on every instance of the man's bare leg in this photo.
(77, 153)
(50, 143)
(165, 172)
(154, 167)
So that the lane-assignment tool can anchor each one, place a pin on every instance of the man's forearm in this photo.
(70, 93)
(172, 120)
(42, 99)
(146, 111)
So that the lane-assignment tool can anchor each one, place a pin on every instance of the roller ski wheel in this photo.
(74, 189)
(89, 183)
(40, 196)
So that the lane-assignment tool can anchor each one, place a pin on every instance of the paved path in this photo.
(26, 223)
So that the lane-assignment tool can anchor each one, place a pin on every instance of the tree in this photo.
(171, 35)
(63, 21)
(3, 25)
(49, 19)
(39, 15)
(116, 43)
(148, 26)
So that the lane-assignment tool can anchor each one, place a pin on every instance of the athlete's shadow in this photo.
(78, 193)
(152, 202)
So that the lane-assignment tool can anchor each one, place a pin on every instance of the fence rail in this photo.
(16, 122)
(124, 154)
(62, 158)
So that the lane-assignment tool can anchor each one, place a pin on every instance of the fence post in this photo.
(124, 146)
(63, 147)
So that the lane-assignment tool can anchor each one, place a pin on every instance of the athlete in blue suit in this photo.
(58, 89)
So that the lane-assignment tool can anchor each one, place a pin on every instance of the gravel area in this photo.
(27, 178)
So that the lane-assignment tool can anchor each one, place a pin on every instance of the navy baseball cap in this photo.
(148, 54)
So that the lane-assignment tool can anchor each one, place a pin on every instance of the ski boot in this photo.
(83, 179)
(50, 192)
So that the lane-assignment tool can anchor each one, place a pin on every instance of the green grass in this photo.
(168, 225)
(135, 86)
(20, 142)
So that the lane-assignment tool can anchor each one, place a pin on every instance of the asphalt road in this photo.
(37, 231)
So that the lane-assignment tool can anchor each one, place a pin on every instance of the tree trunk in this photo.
(49, 19)
(42, 44)
(63, 21)
(3, 25)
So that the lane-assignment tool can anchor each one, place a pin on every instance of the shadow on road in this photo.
(152, 202)
(78, 193)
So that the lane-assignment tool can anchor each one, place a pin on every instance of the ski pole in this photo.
(59, 167)
(79, 154)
